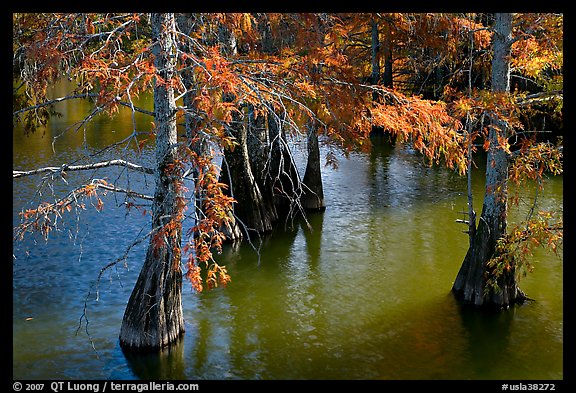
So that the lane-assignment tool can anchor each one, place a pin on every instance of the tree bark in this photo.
(387, 53)
(375, 76)
(471, 281)
(251, 211)
(258, 143)
(197, 142)
(153, 318)
(283, 174)
(313, 197)
(237, 173)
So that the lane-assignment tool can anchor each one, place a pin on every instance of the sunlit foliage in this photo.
(299, 68)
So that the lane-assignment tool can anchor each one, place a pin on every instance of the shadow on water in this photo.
(421, 343)
(231, 332)
(216, 320)
(313, 236)
(240, 332)
(378, 167)
(440, 339)
(167, 364)
(488, 339)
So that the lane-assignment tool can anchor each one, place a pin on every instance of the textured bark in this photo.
(153, 318)
(377, 76)
(237, 173)
(227, 40)
(258, 143)
(197, 141)
(283, 174)
(440, 72)
(265, 30)
(470, 283)
(313, 197)
(251, 211)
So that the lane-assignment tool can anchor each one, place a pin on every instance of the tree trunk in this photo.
(251, 212)
(237, 173)
(197, 142)
(258, 143)
(440, 72)
(387, 52)
(470, 284)
(313, 197)
(283, 174)
(153, 318)
(375, 76)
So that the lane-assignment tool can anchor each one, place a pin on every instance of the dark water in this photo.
(364, 295)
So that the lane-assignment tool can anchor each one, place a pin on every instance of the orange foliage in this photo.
(205, 235)
(46, 216)
(304, 67)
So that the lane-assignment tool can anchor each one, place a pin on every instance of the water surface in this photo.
(365, 294)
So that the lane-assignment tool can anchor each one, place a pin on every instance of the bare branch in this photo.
(540, 97)
(78, 96)
(66, 168)
(55, 101)
(130, 193)
(114, 263)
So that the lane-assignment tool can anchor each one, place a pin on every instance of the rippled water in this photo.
(365, 294)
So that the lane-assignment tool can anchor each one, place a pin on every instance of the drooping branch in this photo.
(45, 217)
(68, 168)
(54, 101)
(130, 193)
(123, 258)
(79, 96)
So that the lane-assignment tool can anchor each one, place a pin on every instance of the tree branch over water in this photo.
(67, 168)
(79, 96)
(46, 216)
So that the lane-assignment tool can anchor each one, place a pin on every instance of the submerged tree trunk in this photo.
(282, 172)
(471, 282)
(250, 210)
(258, 143)
(153, 318)
(313, 197)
